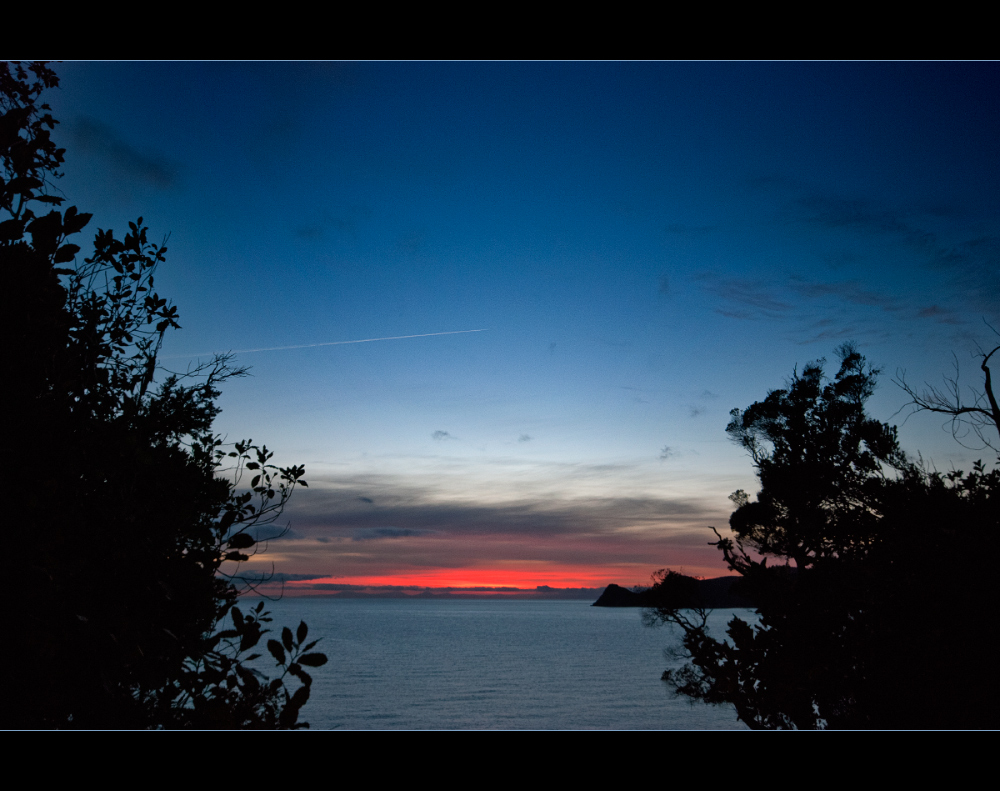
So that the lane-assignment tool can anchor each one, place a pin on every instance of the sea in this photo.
(492, 664)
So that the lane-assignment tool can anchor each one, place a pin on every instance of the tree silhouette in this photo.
(870, 618)
(978, 413)
(127, 514)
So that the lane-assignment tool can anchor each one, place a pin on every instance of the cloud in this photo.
(690, 230)
(849, 290)
(667, 452)
(664, 288)
(858, 215)
(257, 576)
(835, 332)
(757, 294)
(972, 265)
(427, 523)
(744, 315)
(376, 533)
(933, 310)
(613, 344)
(92, 137)
(524, 438)
(840, 259)
(411, 243)
(696, 410)
(346, 220)
(971, 261)
(941, 315)
(333, 509)
(309, 231)
(271, 532)
(442, 435)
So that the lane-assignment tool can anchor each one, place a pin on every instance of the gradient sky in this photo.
(646, 245)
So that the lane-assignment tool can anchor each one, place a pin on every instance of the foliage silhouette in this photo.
(872, 619)
(128, 514)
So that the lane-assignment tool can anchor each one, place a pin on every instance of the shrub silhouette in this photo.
(125, 520)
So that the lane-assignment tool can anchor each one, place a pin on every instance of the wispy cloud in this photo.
(376, 533)
(690, 230)
(345, 220)
(972, 264)
(850, 291)
(971, 261)
(763, 296)
(858, 215)
(333, 509)
(90, 136)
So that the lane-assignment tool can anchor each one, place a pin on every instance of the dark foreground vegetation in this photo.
(873, 577)
(128, 508)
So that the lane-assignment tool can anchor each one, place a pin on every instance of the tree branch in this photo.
(978, 417)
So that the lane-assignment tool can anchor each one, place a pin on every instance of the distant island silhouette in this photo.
(711, 594)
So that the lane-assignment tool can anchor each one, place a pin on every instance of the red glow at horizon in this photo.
(559, 577)
(476, 578)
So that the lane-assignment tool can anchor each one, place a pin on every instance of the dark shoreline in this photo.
(715, 593)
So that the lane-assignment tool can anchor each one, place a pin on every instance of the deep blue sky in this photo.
(648, 246)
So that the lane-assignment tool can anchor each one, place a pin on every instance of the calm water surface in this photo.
(492, 664)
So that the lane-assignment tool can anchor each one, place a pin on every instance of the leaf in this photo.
(11, 230)
(301, 632)
(250, 637)
(73, 222)
(66, 253)
(299, 698)
(45, 232)
(301, 674)
(241, 541)
(286, 638)
(312, 660)
(22, 184)
(277, 651)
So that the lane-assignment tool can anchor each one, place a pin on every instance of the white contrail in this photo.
(328, 343)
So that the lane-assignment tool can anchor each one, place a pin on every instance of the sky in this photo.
(566, 275)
